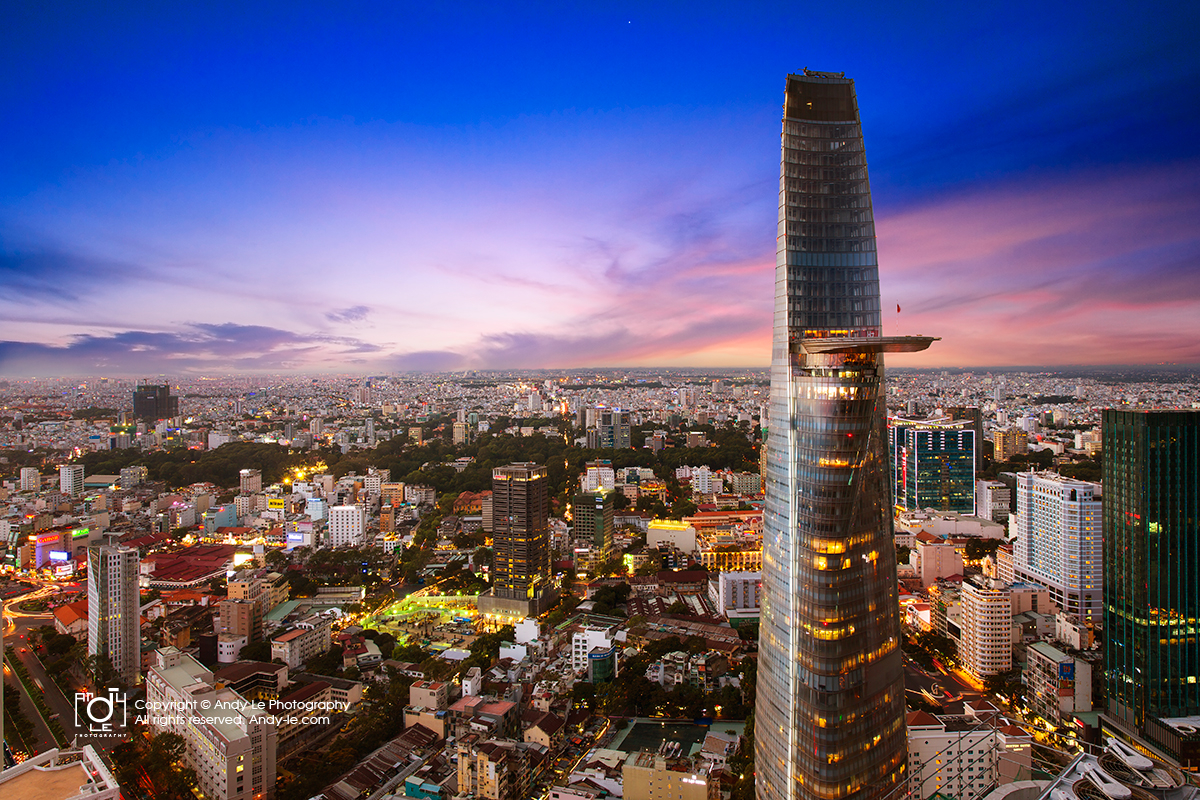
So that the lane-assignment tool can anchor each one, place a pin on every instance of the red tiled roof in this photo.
(72, 612)
(682, 576)
(190, 563)
(548, 723)
(916, 718)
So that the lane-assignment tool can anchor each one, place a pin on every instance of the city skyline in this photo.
(192, 192)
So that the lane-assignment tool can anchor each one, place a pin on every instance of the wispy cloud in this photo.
(199, 348)
(57, 275)
(1097, 268)
(352, 314)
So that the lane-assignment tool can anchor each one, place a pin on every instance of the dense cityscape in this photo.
(304, 542)
(308, 490)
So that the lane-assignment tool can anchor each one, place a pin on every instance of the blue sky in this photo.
(373, 186)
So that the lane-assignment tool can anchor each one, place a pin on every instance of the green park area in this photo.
(416, 616)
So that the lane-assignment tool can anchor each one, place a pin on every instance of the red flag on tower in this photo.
(897, 308)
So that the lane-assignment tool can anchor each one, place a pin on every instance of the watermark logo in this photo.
(101, 713)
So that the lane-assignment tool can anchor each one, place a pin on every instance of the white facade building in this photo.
(737, 595)
(993, 500)
(70, 479)
(375, 478)
(597, 477)
(31, 479)
(230, 742)
(672, 533)
(986, 644)
(1059, 542)
(347, 526)
(963, 757)
(586, 640)
(316, 508)
(114, 625)
(705, 482)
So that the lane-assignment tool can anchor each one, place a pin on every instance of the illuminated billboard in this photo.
(276, 504)
(58, 555)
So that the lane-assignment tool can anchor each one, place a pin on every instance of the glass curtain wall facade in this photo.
(933, 464)
(1151, 512)
(830, 713)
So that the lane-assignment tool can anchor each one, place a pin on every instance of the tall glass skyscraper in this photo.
(1151, 512)
(830, 715)
(521, 584)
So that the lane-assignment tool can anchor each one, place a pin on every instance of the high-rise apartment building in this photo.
(1151, 513)
(347, 525)
(521, 584)
(1008, 443)
(374, 480)
(114, 624)
(1058, 542)
(933, 464)
(250, 481)
(598, 475)
(70, 479)
(592, 513)
(31, 479)
(830, 713)
(986, 645)
(993, 500)
(154, 402)
(133, 476)
(615, 428)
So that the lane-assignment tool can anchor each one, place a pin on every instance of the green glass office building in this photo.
(1151, 517)
(933, 464)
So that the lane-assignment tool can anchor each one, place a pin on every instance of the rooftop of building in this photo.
(240, 670)
(189, 677)
(191, 563)
(1119, 771)
(60, 775)
(291, 635)
(1049, 651)
(71, 613)
(299, 695)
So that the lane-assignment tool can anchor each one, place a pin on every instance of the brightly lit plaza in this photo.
(429, 619)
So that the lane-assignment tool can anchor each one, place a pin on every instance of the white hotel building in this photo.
(1059, 542)
(347, 526)
(230, 742)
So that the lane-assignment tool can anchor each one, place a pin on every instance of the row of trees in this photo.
(181, 466)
